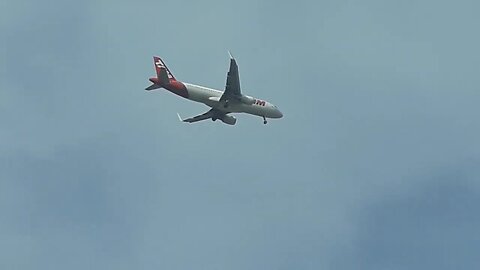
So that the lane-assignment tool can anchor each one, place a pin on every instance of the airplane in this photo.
(222, 103)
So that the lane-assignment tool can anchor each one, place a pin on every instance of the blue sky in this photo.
(374, 165)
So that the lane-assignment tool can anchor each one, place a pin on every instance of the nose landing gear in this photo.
(264, 120)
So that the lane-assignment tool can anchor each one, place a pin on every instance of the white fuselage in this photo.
(211, 98)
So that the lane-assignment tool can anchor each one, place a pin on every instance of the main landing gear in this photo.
(264, 120)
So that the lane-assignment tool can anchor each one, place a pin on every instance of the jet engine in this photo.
(247, 100)
(228, 119)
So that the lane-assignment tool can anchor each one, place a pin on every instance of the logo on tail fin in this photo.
(159, 64)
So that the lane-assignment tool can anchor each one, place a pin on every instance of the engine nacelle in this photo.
(228, 119)
(247, 100)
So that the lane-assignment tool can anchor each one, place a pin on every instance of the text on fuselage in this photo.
(259, 102)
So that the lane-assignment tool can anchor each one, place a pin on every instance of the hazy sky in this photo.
(375, 164)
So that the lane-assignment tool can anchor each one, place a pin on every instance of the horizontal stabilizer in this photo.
(153, 87)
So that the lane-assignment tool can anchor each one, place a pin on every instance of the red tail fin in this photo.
(159, 65)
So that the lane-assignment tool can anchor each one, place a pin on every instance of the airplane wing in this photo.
(232, 87)
(211, 113)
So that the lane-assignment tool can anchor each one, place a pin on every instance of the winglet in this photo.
(230, 54)
(179, 117)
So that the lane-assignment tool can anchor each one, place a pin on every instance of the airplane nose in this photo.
(275, 112)
(278, 113)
